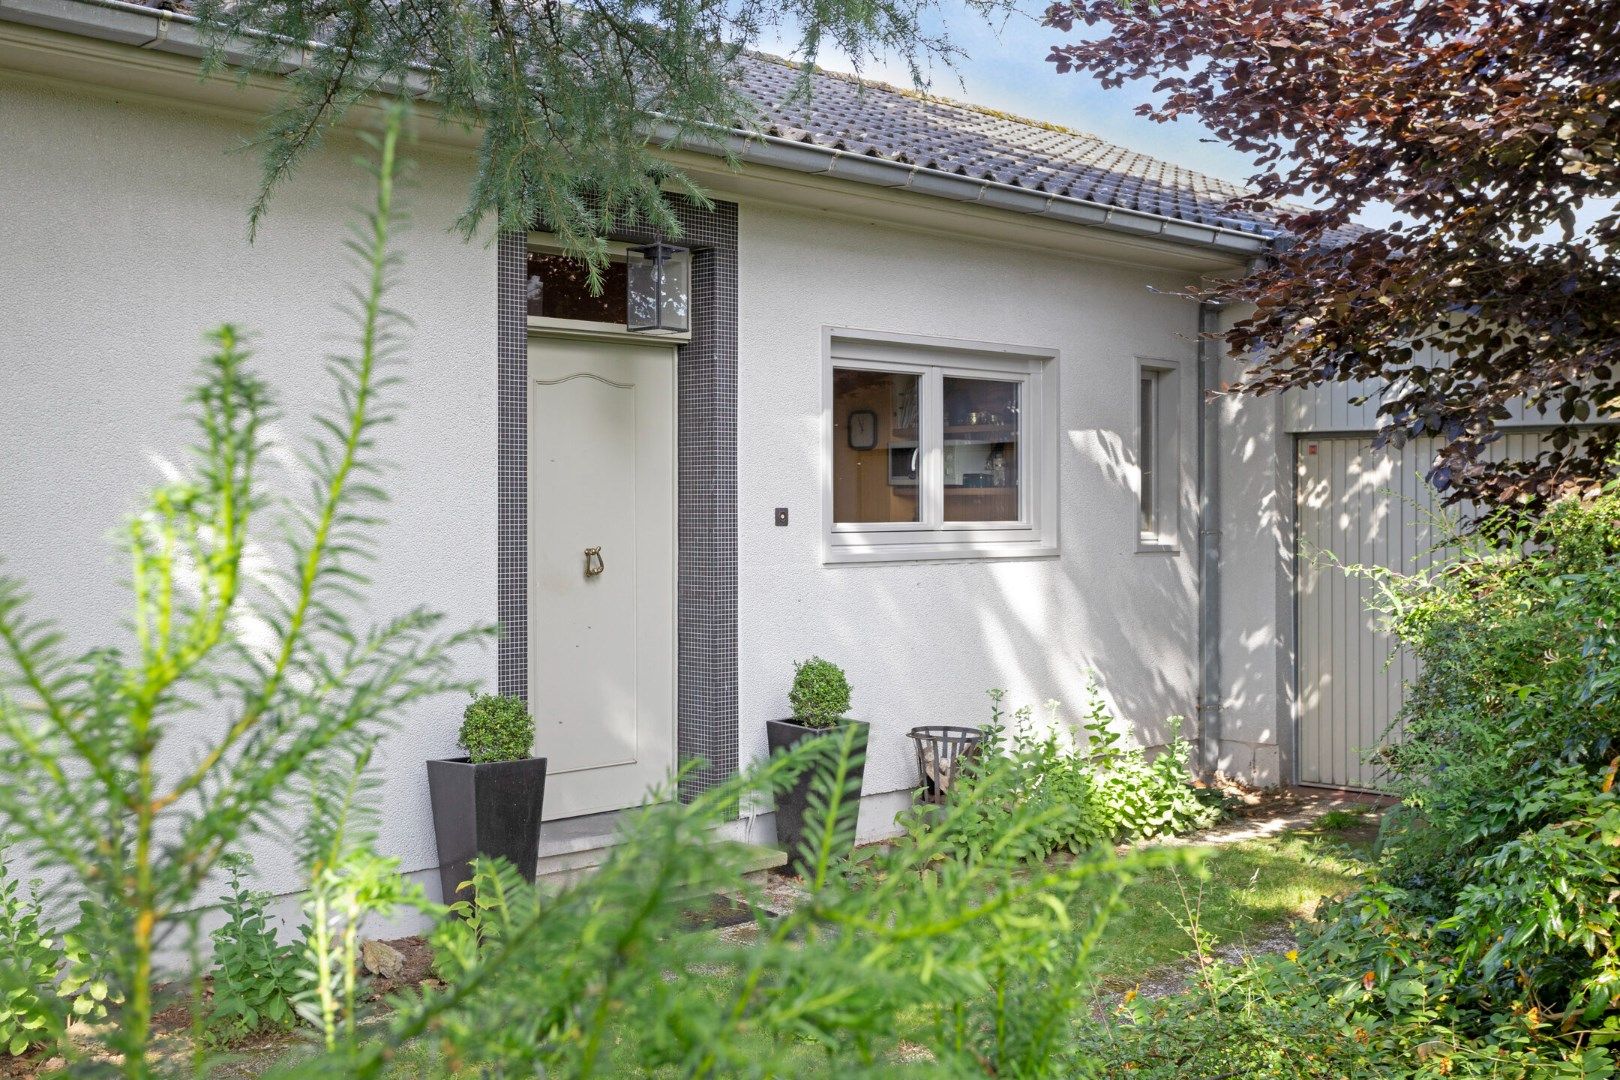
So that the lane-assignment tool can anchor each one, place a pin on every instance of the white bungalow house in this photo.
(938, 417)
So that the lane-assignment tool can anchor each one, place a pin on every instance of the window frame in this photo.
(549, 244)
(1165, 448)
(933, 359)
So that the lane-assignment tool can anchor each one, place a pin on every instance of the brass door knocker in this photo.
(593, 562)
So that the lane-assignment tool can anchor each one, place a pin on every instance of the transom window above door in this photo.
(558, 286)
(643, 290)
(938, 449)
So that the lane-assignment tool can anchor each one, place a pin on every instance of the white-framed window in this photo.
(1158, 454)
(937, 449)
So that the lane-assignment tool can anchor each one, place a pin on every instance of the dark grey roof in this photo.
(903, 126)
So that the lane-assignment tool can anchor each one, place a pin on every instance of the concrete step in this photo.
(574, 846)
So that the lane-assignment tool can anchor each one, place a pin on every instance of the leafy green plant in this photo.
(31, 961)
(96, 785)
(820, 693)
(1504, 856)
(1338, 820)
(1100, 794)
(1148, 799)
(254, 975)
(497, 728)
(1142, 798)
(348, 882)
(87, 981)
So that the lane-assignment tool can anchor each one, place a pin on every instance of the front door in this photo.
(601, 569)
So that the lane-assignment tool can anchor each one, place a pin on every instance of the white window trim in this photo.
(1167, 455)
(1034, 535)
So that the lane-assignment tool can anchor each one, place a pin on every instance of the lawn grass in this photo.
(1240, 893)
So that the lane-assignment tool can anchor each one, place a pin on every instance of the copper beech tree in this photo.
(1489, 126)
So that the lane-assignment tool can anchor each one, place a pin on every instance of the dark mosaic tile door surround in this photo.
(706, 501)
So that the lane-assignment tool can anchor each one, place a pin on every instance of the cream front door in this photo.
(601, 569)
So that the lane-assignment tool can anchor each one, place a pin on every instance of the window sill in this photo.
(579, 328)
(1157, 547)
(936, 552)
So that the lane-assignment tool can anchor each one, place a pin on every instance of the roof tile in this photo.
(875, 120)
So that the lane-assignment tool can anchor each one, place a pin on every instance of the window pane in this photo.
(1146, 452)
(981, 450)
(559, 288)
(875, 451)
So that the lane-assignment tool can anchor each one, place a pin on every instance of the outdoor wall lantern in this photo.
(660, 288)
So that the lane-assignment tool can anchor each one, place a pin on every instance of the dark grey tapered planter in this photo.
(792, 803)
(490, 809)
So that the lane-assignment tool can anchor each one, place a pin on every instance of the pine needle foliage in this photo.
(571, 102)
(128, 772)
(973, 967)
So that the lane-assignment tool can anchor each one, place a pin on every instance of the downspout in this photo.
(1209, 541)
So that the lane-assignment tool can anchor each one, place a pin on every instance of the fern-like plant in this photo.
(978, 964)
(92, 785)
(349, 881)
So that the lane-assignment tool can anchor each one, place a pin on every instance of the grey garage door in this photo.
(1357, 506)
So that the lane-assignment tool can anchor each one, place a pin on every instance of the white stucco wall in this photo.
(1257, 585)
(922, 642)
(122, 239)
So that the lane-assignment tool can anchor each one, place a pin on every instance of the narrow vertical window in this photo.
(1147, 452)
(1158, 455)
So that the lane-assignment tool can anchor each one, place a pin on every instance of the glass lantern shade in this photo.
(660, 289)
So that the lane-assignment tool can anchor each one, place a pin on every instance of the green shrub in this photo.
(497, 728)
(1486, 940)
(1312, 1015)
(1027, 774)
(820, 693)
(28, 972)
(1142, 798)
(1339, 820)
(255, 976)
(1504, 856)
(1075, 798)
(979, 966)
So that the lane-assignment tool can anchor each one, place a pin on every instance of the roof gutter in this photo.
(124, 24)
(174, 32)
(809, 158)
